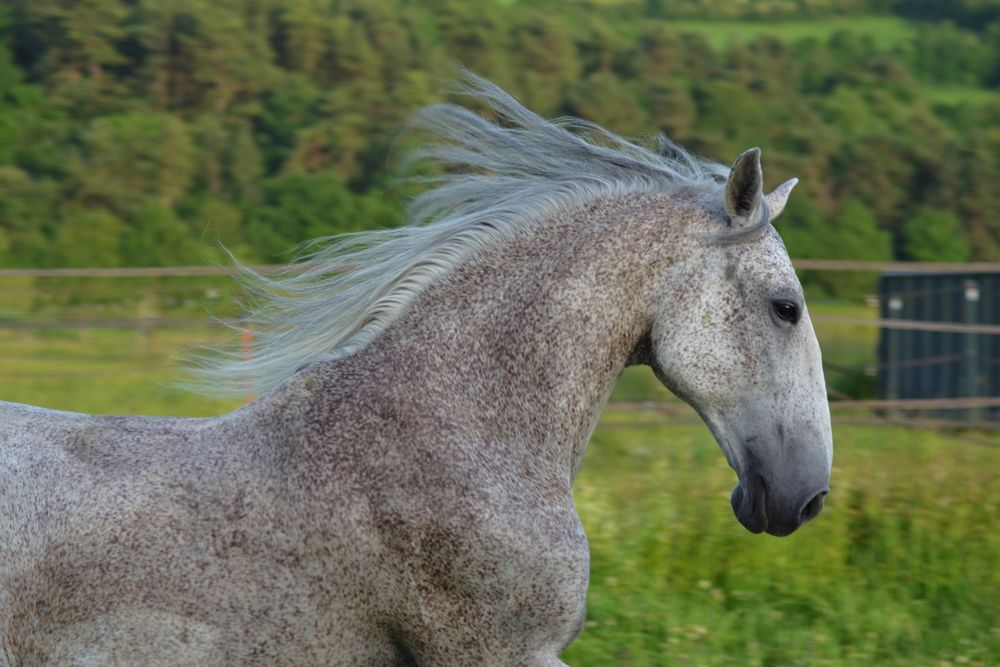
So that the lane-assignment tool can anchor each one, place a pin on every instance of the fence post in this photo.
(970, 366)
(893, 352)
(246, 340)
(147, 312)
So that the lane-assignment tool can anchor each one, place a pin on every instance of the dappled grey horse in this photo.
(401, 492)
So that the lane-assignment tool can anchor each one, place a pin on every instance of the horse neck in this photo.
(527, 341)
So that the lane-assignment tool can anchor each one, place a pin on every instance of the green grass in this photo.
(958, 96)
(849, 350)
(103, 371)
(884, 31)
(901, 568)
(119, 371)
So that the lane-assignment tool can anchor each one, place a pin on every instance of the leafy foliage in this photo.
(142, 132)
(934, 236)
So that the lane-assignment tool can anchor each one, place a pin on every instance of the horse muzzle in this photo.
(750, 501)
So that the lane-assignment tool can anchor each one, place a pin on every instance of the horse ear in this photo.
(745, 189)
(777, 197)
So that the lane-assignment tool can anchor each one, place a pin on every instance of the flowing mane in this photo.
(490, 180)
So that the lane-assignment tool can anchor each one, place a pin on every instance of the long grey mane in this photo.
(491, 180)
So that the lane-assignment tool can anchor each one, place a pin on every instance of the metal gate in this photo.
(936, 339)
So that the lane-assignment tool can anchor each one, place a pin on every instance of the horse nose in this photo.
(813, 507)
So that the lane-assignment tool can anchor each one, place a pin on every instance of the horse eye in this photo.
(787, 311)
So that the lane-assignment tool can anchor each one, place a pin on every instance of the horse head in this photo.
(732, 337)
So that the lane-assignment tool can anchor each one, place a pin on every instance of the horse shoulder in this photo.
(465, 541)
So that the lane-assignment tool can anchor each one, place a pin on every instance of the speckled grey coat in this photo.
(410, 503)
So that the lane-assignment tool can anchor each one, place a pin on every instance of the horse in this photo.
(401, 491)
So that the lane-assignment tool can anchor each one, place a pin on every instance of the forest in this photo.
(150, 132)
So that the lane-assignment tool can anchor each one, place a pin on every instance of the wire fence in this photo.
(189, 271)
(846, 408)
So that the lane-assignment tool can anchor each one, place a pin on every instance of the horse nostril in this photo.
(812, 508)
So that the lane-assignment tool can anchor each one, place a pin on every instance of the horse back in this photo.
(83, 500)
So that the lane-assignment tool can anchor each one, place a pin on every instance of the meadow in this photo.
(901, 568)
(884, 32)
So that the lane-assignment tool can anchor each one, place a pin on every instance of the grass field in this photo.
(884, 31)
(103, 371)
(902, 568)
(955, 96)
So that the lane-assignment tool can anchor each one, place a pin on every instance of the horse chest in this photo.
(511, 571)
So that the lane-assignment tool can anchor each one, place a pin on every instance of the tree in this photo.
(244, 162)
(476, 36)
(126, 158)
(981, 197)
(203, 54)
(730, 117)
(878, 171)
(80, 38)
(89, 237)
(330, 145)
(660, 55)
(935, 236)
(299, 206)
(299, 35)
(605, 99)
(215, 222)
(852, 234)
(600, 48)
(27, 215)
(212, 139)
(284, 111)
(945, 54)
(278, 117)
(671, 109)
(546, 61)
(156, 236)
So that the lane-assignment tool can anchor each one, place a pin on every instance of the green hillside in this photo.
(146, 133)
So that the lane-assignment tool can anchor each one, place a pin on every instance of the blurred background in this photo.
(138, 136)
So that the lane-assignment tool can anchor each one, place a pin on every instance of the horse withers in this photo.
(401, 492)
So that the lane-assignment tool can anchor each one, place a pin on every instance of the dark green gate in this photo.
(933, 343)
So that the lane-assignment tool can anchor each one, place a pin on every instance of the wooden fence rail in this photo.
(662, 409)
(173, 322)
(188, 271)
(978, 402)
